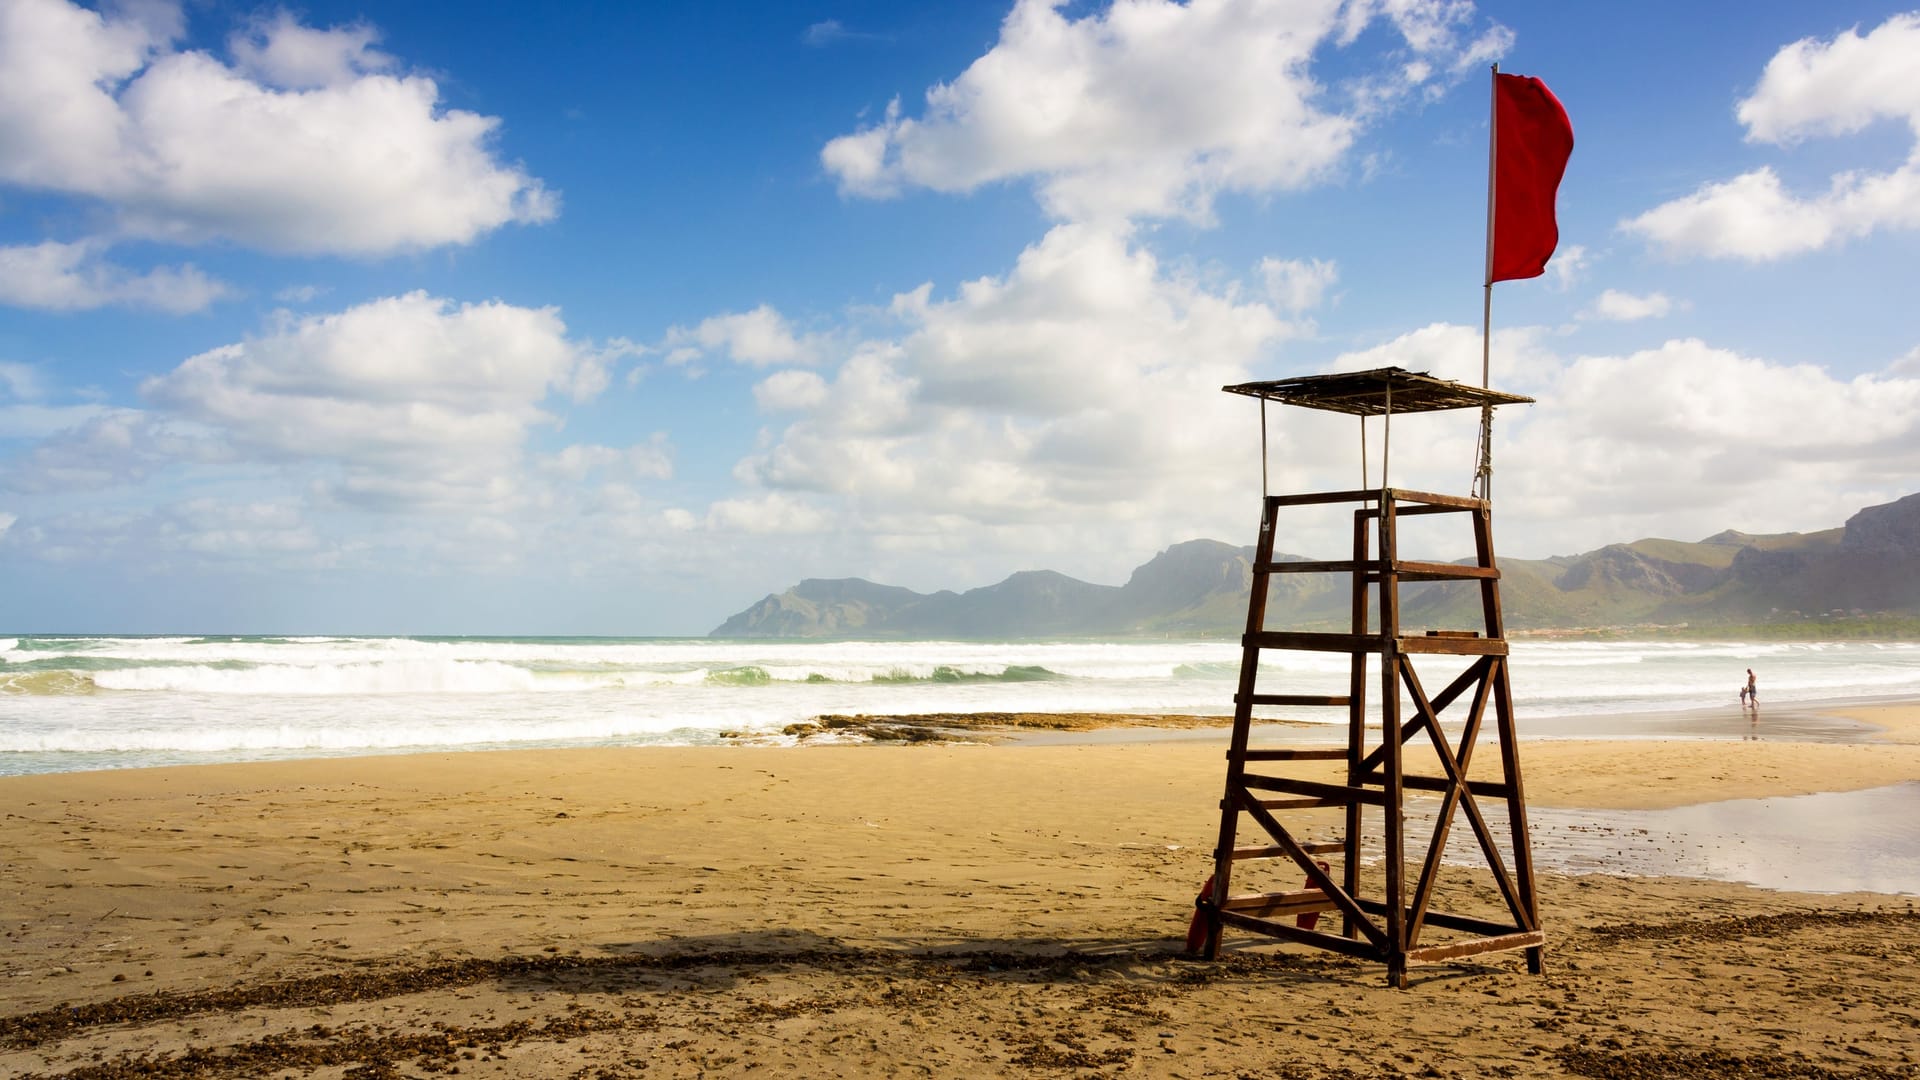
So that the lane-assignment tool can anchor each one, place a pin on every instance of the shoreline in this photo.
(1840, 720)
(1636, 772)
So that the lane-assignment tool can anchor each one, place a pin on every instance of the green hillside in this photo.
(1866, 573)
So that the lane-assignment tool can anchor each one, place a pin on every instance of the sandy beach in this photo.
(896, 910)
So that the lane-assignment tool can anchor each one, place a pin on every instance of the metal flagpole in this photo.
(1363, 451)
(1263, 452)
(1386, 442)
(1483, 467)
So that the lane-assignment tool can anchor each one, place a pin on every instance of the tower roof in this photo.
(1368, 393)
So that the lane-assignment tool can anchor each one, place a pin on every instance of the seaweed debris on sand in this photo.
(983, 726)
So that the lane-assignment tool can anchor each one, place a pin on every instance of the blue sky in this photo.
(481, 318)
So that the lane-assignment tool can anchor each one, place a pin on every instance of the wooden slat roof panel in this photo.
(1367, 393)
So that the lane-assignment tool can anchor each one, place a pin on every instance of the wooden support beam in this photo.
(1428, 498)
(1284, 754)
(1492, 789)
(1296, 700)
(1392, 819)
(1411, 570)
(1290, 932)
(1286, 804)
(1447, 920)
(1322, 498)
(1338, 794)
(1362, 604)
(1332, 566)
(1441, 646)
(1333, 847)
(1270, 905)
(1297, 641)
(1369, 495)
(1453, 950)
(1408, 569)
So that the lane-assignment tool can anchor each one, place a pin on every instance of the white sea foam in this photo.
(364, 736)
(376, 677)
(147, 700)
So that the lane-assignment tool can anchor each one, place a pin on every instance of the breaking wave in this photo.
(89, 702)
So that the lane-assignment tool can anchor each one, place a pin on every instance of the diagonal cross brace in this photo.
(1318, 878)
(1459, 794)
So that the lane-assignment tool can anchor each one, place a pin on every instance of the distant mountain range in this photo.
(1199, 588)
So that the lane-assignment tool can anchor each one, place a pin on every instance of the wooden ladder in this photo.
(1388, 927)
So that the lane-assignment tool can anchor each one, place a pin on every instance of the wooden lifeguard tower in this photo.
(1308, 823)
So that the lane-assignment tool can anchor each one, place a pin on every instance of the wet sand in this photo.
(936, 910)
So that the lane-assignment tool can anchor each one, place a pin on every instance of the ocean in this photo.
(76, 703)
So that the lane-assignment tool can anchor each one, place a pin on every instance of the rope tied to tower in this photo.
(1483, 460)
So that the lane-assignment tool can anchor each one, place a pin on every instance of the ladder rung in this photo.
(1292, 699)
(1282, 903)
(1329, 847)
(1519, 939)
(1338, 794)
(1319, 939)
(1330, 566)
(1293, 804)
(1276, 754)
(1300, 641)
(1439, 571)
(1492, 789)
(1453, 646)
(1406, 569)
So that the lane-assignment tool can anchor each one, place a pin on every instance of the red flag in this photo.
(1532, 140)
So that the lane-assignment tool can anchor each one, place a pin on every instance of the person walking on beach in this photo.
(1753, 690)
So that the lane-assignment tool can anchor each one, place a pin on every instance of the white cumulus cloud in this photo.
(1689, 438)
(21, 382)
(76, 277)
(1809, 89)
(1150, 108)
(278, 51)
(415, 401)
(306, 142)
(242, 531)
(409, 430)
(24, 411)
(758, 338)
(1570, 264)
(1680, 440)
(772, 513)
(1298, 284)
(101, 447)
(652, 459)
(1626, 307)
(1070, 404)
(787, 390)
